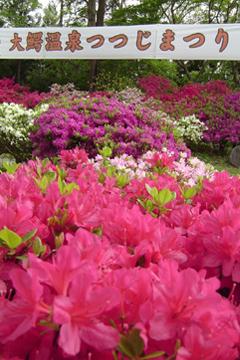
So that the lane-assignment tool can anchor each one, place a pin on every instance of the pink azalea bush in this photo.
(12, 92)
(93, 270)
(214, 103)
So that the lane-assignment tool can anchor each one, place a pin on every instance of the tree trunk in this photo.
(95, 19)
(93, 63)
(91, 12)
(61, 13)
(236, 72)
(101, 12)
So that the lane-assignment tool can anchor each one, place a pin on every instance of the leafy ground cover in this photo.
(220, 162)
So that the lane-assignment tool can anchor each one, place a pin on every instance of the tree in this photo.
(51, 16)
(95, 18)
(186, 11)
(20, 12)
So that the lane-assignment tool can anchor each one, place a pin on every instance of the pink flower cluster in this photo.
(11, 92)
(214, 103)
(88, 272)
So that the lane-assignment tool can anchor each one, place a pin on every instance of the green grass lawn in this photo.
(220, 162)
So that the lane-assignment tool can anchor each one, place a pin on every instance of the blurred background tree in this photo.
(116, 73)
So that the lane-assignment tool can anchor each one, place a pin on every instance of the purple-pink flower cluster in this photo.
(214, 103)
(96, 121)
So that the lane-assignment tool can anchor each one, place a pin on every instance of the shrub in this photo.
(213, 103)
(11, 92)
(98, 121)
(16, 123)
(222, 120)
(190, 129)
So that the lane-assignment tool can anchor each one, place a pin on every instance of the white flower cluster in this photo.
(126, 164)
(186, 170)
(190, 128)
(16, 122)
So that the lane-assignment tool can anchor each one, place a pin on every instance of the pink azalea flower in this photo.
(60, 273)
(21, 314)
(126, 226)
(165, 243)
(176, 308)
(85, 208)
(199, 346)
(80, 314)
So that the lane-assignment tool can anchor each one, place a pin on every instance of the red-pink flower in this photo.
(60, 272)
(21, 314)
(81, 315)
(219, 234)
(127, 226)
(189, 301)
(198, 345)
(165, 243)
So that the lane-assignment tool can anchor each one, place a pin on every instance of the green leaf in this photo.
(29, 235)
(70, 187)
(66, 189)
(165, 196)
(11, 168)
(59, 239)
(38, 247)
(45, 162)
(132, 344)
(49, 324)
(152, 191)
(190, 192)
(51, 176)
(21, 257)
(106, 151)
(60, 184)
(122, 180)
(61, 172)
(10, 238)
(111, 170)
(153, 355)
(43, 183)
(149, 205)
(102, 178)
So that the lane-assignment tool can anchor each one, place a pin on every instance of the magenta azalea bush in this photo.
(95, 121)
(93, 270)
(11, 92)
(214, 103)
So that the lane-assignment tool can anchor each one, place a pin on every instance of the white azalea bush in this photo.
(190, 128)
(16, 123)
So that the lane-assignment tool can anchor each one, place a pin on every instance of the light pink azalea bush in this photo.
(93, 270)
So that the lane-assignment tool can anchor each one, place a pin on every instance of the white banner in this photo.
(185, 42)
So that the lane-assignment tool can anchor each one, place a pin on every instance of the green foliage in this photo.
(120, 74)
(159, 200)
(9, 238)
(132, 346)
(20, 13)
(42, 74)
(50, 14)
(12, 241)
